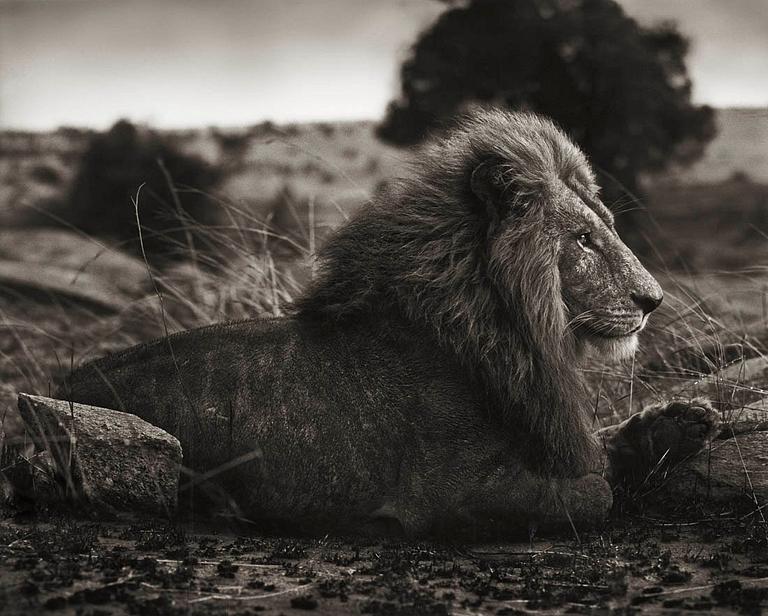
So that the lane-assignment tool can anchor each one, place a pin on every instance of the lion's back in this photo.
(175, 365)
(315, 400)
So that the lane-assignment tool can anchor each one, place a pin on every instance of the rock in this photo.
(737, 385)
(76, 252)
(64, 263)
(111, 459)
(739, 392)
(733, 472)
(52, 280)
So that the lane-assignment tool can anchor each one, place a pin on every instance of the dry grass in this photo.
(258, 256)
(248, 265)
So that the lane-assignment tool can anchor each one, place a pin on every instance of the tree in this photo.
(112, 168)
(621, 91)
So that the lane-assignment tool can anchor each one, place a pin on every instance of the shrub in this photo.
(45, 174)
(619, 89)
(233, 145)
(289, 221)
(113, 167)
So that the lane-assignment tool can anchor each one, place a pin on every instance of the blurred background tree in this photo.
(619, 90)
(112, 168)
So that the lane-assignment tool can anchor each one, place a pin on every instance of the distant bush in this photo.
(233, 145)
(326, 129)
(75, 136)
(263, 129)
(740, 177)
(110, 172)
(74, 133)
(373, 165)
(45, 174)
(288, 220)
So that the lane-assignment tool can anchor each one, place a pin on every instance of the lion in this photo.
(429, 377)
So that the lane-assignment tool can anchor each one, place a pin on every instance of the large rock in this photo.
(732, 473)
(738, 392)
(113, 460)
(63, 263)
(736, 385)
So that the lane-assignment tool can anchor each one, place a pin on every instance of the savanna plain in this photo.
(66, 296)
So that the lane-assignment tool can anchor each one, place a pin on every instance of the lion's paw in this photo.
(677, 430)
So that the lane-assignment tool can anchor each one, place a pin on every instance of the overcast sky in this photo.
(178, 63)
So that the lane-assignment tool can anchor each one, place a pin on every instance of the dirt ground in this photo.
(639, 564)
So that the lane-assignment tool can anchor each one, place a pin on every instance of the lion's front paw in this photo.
(677, 430)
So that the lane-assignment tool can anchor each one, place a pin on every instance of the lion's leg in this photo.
(519, 498)
(579, 503)
(515, 501)
(660, 434)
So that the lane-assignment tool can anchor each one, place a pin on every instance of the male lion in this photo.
(429, 377)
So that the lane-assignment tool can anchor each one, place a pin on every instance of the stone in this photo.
(113, 460)
(733, 472)
(62, 263)
(738, 391)
(53, 280)
(739, 385)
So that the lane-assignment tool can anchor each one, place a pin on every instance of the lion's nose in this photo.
(647, 302)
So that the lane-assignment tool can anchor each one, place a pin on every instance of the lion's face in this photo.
(607, 292)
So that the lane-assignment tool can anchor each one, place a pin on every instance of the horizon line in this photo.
(300, 122)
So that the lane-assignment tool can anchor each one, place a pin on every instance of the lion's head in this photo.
(607, 292)
(498, 245)
(546, 192)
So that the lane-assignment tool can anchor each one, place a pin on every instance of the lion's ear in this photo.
(488, 184)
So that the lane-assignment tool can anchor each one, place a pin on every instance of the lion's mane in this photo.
(427, 249)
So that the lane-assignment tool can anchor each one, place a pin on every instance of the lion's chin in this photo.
(616, 349)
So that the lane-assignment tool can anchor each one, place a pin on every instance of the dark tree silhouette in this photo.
(620, 90)
(112, 168)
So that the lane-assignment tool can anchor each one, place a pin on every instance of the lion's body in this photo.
(330, 428)
(430, 374)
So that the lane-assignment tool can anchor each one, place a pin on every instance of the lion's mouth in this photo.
(616, 328)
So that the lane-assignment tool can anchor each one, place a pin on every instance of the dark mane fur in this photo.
(428, 249)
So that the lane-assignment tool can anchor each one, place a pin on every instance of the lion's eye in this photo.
(584, 240)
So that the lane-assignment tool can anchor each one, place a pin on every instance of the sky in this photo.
(189, 63)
